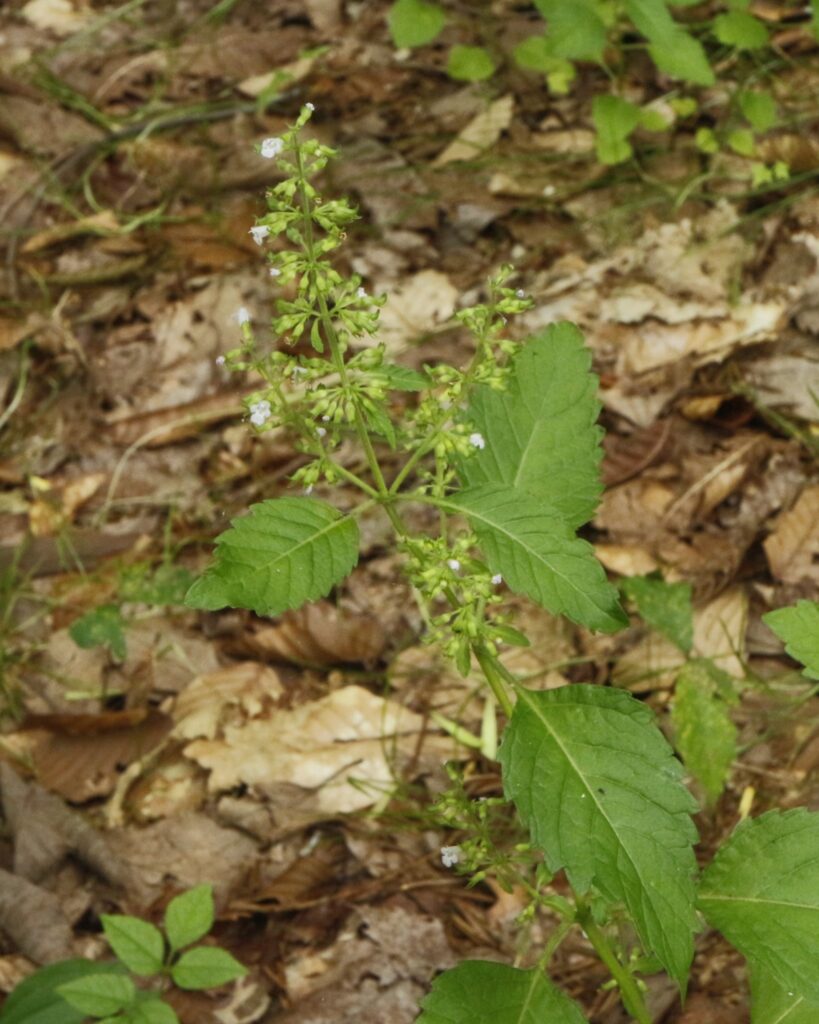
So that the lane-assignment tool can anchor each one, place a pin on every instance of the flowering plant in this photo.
(506, 451)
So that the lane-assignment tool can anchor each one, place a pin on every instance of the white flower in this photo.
(321, 431)
(497, 579)
(220, 360)
(271, 148)
(243, 315)
(325, 419)
(477, 441)
(549, 190)
(310, 106)
(450, 856)
(361, 293)
(521, 294)
(308, 490)
(274, 272)
(260, 413)
(454, 564)
(260, 233)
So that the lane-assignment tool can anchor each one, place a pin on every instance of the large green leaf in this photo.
(762, 892)
(575, 31)
(706, 737)
(541, 433)
(36, 1000)
(415, 22)
(602, 794)
(683, 57)
(652, 18)
(481, 992)
(538, 555)
(798, 628)
(772, 1003)
(283, 553)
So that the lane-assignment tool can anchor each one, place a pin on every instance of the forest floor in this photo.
(204, 747)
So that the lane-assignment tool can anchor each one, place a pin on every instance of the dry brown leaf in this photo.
(626, 559)
(320, 634)
(792, 548)
(244, 690)
(483, 131)
(316, 748)
(183, 851)
(415, 308)
(719, 631)
(62, 17)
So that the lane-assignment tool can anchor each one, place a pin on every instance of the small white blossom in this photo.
(450, 856)
(454, 564)
(521, 294)
(361, 293)
(274, 272)
(260, 233)
(260, 413)
(321, 431)
(497, 579)
(477, 441)
(308, 490)
(549, 190)
(325, 418)
(310, 106)
(243, 315)
(298, 371)
(220, 360)
(271, 148)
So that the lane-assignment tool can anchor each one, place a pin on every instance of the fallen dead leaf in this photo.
(792, 548)
(245, 689)
(415, 308)
(483, 131)
(62, 17)
(317, 749)
(320, 634)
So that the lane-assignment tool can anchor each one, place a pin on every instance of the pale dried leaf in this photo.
(792, 548)
(242, 690)
(719, 631)
(62, 17)
(416, 308)
(483, 131)
(280, 77)
(318, 747)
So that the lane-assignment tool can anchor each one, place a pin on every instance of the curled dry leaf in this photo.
(320, 634)
(240, 691)
(792, 548)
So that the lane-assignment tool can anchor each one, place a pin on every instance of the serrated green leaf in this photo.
(541, 433)
(206, 967)
(284, 552)
(189, 916)
(152, 1010)
(684, 58)
(36, 999)
(615, 119)
(666, 607)
(481, 992)
(575, 31)
(798, 628)
(539, 556)
(102, 626)
(652, 19)
(99, 995)
(601, 792)
(470, 64)
(740, 29)
(415, 22)
(762, 892)
(759, 109)
(137, 943)
(705, 735)
(772, 1003)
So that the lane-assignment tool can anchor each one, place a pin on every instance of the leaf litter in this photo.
(221, 748)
